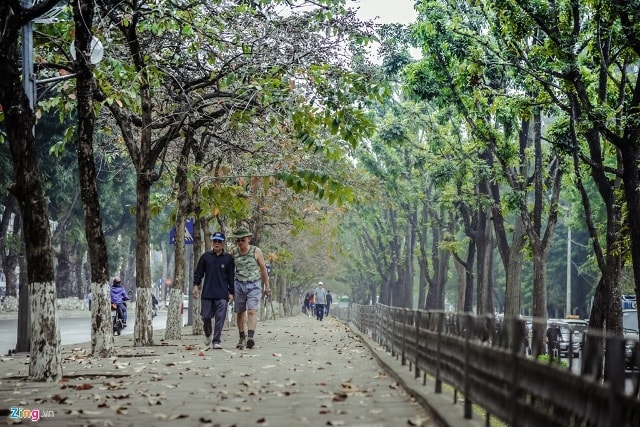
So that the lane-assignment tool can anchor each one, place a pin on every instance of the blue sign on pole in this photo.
(188, 233)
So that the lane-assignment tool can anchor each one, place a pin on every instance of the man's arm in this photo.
(266, 286)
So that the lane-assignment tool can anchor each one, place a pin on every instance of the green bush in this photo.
(544, 358)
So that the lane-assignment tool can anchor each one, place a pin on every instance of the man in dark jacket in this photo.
(218, 269)
(553, 336)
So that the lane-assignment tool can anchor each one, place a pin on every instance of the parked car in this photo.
(579, 327)
(631, 336)
(185, 301)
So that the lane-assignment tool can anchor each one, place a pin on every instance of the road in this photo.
(75, 328)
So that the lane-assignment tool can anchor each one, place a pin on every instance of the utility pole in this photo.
(568, 309)
(28, 78)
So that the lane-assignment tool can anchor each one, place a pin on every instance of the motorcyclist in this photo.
(118, 297)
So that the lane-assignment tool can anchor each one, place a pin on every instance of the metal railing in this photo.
(487, 361)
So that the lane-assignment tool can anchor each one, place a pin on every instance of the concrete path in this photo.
(302, 372)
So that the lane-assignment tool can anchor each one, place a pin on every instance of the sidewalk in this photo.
(301, 373)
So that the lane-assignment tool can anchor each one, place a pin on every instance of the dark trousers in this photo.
(319, 311)
(216, 310)
(123, 311)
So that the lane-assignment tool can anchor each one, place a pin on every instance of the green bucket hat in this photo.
(241, 232)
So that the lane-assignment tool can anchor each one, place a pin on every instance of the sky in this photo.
(387, 11)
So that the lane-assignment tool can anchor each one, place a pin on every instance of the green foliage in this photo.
(321, 184)
(545, 359)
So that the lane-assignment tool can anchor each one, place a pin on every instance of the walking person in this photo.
(321, 300)
(251, 283)
(329, 302)
(218, 269)
(553, 336)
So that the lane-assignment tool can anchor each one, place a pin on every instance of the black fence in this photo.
(487, 360)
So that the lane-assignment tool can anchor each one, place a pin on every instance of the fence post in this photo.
(439, 327)
(468, 413)
(403, 356)
(417, 353)
(615, 365)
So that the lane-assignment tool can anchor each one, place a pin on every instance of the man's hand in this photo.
(196, 291)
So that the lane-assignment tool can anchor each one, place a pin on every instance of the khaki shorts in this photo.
(247, 296)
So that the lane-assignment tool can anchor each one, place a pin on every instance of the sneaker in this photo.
(207, 340)
(241, 343)
(250, 342)
(217, 346)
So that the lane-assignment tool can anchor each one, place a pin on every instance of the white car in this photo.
(185, 301)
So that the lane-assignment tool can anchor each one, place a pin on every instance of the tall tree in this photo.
(101, 325)
(19, 117)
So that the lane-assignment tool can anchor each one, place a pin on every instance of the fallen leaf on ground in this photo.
(340, 397)
(85, 386)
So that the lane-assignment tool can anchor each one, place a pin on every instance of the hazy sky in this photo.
(387, 10)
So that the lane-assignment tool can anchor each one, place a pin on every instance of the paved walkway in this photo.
(302, 372)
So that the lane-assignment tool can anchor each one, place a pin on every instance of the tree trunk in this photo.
(483, 244)
(468, 277)
(513, 267)
(200, 231)
(10, 247)
(630, 159)
(24, 314)
(45, 361)
(64, 269)
(101, 323)
(174, 322)
(143, 331)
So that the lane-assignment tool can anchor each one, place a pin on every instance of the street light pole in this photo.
(28, 78)
(568, 310)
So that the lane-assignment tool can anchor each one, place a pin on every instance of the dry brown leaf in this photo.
(340, 397)
(85, 386)
(59, 399)
(178, 416)
(153, 401)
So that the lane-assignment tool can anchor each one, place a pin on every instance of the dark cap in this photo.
(218, 236)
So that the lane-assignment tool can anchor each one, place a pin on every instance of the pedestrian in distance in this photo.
(118, 297)
(154, 306)
(321, 300)
(251, 283)
(307, 304)
(329, 302)
(89, 296)
(553, 336)
(217, 267)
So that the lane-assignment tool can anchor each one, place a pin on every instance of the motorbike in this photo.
(118, 321)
